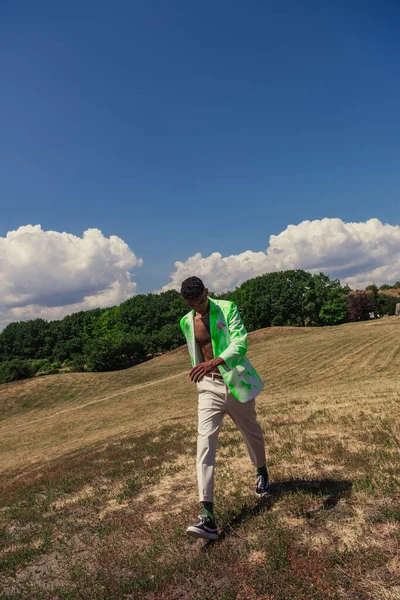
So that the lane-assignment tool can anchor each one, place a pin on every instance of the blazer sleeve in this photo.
(238, 338)
(181, 323)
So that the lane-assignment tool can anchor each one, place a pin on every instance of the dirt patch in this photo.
(47, 572)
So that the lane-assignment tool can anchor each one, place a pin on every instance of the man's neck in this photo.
(206, 311)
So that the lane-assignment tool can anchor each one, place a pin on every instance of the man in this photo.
(227, 383)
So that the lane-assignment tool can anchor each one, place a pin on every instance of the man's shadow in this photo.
(334, 489)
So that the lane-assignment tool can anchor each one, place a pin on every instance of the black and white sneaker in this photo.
(262, 485)
(205, 529)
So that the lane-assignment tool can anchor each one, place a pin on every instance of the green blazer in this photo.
(229, 341)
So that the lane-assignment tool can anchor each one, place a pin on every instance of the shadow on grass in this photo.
(334, 489)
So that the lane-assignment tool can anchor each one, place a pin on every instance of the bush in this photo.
(37, 365)
(50, 372)
(12, 370)
(386, 305)
(77, 363)
(45, 366)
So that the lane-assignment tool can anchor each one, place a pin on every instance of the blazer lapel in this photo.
(214, 311)
(191, 340)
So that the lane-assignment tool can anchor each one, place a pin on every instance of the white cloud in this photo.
(356, 253)
(50, 274)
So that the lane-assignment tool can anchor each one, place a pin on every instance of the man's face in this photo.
(199, 304)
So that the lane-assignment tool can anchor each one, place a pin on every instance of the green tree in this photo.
(327, 303)
(386, 305)
(292, 297)
(11, 370)
(113, 351)
(77, 363)
(169, 337)
(23, 339)
(148, 324)
(374, 291)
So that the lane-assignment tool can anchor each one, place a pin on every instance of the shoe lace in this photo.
(202, 518)
(205, 519)
(261, 480)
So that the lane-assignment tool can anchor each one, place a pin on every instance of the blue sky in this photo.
(185, 127)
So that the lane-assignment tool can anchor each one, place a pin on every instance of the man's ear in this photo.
(206, 291)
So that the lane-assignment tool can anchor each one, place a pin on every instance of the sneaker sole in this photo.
(262, 494)
(207, 535)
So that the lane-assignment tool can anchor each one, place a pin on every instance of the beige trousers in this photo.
(216, 400)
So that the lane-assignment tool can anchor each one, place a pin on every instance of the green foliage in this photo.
(154, 319)
(77, 363)
(146, 313)
(148, 324)
(290, 298)
(374, 291)
(44, 365)
(327, 301)
(24, 339)
(39, 365)
(69, 335)
(169, 337)
(116, 350)
(14, 369)
(386, 305)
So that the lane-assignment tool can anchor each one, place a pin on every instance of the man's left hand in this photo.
(198, 372)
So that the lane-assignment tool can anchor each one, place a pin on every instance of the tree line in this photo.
(147, 325)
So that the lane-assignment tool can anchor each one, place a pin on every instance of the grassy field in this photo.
(98, 478)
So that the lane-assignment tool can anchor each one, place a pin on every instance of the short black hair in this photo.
(192, 287)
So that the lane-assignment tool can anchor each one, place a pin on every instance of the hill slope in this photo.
(43, 418)
(94, 465)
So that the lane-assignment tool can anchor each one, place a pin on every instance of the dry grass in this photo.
(98, 474)
(390, 292)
